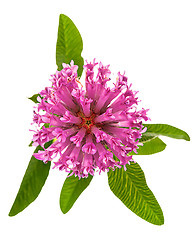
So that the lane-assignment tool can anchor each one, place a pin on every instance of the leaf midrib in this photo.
(143, 197)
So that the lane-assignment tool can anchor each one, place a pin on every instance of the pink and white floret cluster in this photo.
(88, 125)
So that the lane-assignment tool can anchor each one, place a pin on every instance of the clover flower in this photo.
(88, 126)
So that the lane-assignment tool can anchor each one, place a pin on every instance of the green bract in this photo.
(130, 185)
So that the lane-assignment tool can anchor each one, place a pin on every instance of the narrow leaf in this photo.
(151, 146)
(165, 130)
(69, 44)
(32, 183)
(31, 144)
(131, 188)
(71, 190)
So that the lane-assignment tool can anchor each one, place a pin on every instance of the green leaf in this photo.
(34, 98)
(71, 190)
(131, 188)
(165, 130)
(144, 139)
(31, 144)
(151, 146)
(69, 44)
(32, 183)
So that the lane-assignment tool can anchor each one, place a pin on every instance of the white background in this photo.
(155, 43)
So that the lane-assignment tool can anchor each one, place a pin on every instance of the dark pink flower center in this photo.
(87, 122)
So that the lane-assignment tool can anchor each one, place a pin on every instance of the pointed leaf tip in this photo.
(165, 130)
(32, 183)
(34, 98)
(69, 44)
(131, 188)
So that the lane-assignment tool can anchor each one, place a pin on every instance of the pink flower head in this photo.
(88, 125)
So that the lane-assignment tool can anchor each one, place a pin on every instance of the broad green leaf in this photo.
(69, 44)
(32, 183)
(34, 98)
(71, 190)
(165, 130)
(151, 146)
(131, 188)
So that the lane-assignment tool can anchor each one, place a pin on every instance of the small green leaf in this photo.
(131, 188)
(34, 98)
(31, 144)
(69, 44)
(71, 190)
(32, 183)
(153, 145)
(165, 130)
